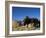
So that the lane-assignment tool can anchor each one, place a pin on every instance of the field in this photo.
(20, 27)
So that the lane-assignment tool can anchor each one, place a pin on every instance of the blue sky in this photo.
(19, 13)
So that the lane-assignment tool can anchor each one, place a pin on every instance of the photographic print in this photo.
(24, 18)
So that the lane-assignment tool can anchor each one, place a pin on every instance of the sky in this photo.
(19, 13)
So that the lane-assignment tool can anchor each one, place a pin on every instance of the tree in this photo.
(26, 20)
(19, 23)
(36, 23)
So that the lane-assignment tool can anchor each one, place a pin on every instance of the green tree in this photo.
(26, 20)
(37, 23)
